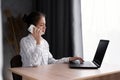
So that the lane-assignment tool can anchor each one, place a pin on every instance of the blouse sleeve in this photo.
(52, 60)
(33, 53)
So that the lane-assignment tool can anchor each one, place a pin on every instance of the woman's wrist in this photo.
(69, 58)
(37, 43)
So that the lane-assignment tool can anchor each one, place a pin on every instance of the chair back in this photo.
(16, 62)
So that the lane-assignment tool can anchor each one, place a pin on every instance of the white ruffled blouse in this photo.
(35, 55)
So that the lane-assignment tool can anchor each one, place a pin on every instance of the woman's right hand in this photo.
(76, 58)
(37, 35)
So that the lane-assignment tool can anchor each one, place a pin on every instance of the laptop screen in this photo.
(100, 52)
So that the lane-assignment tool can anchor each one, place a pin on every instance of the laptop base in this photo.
(84, 65)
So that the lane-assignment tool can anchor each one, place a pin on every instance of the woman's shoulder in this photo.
(25, 39)
(45, 42)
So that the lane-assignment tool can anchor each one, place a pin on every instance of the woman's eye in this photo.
(41, 25)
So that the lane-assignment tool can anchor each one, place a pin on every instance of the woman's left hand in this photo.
(76, 58)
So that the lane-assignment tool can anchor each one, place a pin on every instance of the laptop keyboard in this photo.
(86, 64)
(89, 64)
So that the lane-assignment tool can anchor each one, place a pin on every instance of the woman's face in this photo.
(42, 24)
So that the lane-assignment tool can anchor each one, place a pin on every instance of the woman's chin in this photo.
(42, 33)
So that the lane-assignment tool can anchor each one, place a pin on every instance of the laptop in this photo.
(97, 60)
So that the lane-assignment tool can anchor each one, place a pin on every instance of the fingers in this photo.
(37, 35)
(36, 31)
(76, 58)
(79, 58)
(33, 30)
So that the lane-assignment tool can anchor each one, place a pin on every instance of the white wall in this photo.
(101, 20)
(77, 29)
(0, 44)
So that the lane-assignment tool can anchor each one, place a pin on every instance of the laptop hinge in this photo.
(96, 64)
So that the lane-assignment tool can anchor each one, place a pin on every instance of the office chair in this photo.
(16, 62)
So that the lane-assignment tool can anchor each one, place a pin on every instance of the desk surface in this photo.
(62, 72)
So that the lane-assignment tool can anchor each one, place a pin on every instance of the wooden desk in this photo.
(63, 72)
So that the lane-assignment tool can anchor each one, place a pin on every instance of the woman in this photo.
(34, 49)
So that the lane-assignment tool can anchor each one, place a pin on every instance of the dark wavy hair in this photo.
(33, 18)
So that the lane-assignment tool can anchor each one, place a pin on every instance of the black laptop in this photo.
(98, 58)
